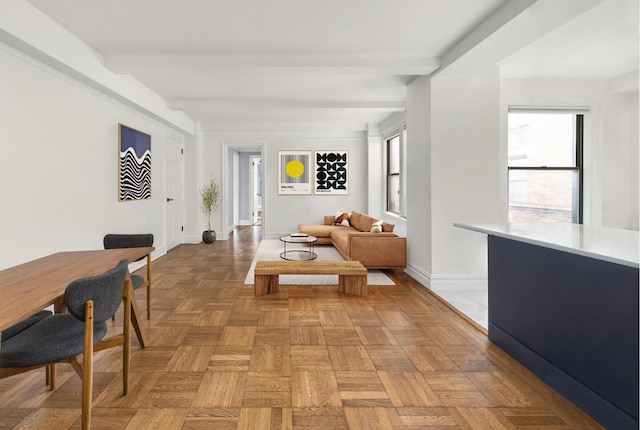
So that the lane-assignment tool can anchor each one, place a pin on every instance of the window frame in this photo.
(401, 133)
(579, 115)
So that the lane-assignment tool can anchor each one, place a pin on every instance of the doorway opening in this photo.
(256, 190)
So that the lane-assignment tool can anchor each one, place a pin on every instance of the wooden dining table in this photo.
(30, 287)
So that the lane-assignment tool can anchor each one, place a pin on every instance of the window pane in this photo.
(543, 196)
(542, 139)
(393, 193)
(393, 154)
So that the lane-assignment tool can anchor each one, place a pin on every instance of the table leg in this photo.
(59, 307)
(135, 319)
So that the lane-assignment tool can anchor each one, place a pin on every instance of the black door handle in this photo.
(169, 199)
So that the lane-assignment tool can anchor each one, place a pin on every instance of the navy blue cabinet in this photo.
(573, 321)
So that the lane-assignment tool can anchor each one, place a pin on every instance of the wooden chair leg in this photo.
(51, 376)
(126, 348)
(87, 373)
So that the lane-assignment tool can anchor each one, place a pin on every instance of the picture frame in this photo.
(295, 172)
(331, 172)
(134, 164)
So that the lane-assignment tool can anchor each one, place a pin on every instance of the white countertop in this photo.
(608, 244)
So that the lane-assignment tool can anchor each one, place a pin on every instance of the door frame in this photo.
(252, 190)
(236, 189)
(227, 172)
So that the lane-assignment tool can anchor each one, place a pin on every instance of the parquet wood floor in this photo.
(305, 358)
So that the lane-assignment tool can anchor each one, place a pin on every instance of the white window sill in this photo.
(393, 217)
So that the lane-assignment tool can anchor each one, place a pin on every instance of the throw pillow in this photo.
(342, 218)
(363, 222)
(354, 219)
(387, 227)
(376, 227)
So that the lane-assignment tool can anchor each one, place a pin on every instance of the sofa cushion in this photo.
(317, 230)
(340, 238)
(342, 218)
(362, 221)
(387, 227)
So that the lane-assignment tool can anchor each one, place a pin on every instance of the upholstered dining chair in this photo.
(21, 326)
(62, 338)
(8, 333)
(113, 241)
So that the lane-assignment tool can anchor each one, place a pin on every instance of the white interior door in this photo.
(173, 196)
(236, 189)
(256, 189)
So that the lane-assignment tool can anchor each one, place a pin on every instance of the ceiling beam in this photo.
(294, 129)
(306, 105)
(276, 64)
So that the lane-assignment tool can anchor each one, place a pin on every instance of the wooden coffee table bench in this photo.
(352, 275)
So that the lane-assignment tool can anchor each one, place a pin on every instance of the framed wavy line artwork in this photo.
(134, 164)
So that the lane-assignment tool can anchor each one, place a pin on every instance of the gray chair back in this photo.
(115, 241)
(105, 290)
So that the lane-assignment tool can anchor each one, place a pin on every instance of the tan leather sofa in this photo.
(356, 241)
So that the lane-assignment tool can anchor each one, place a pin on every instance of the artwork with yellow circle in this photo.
(294, 172)
(294, 169)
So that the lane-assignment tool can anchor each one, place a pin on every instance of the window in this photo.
(393, 174)
(394, 155)
(545, 165)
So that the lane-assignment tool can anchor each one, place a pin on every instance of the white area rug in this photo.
(271, 249)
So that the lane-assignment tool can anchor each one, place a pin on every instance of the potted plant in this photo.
(210, 195)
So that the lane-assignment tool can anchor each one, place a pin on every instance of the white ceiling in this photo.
(312, 64)
(601, 44)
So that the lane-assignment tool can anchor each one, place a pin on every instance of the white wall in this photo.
(27, 29)
(453, 175)
(611, 141)
(419, 165)
(466, 171)
(210, 158)
(619, 152)
(193, 183)
(457, 163)
(376, 172)
(59, 164)
(283, 213)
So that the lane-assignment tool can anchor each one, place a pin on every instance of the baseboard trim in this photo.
(583, 397)
(420, 275)
(459, 282)
(192, 240)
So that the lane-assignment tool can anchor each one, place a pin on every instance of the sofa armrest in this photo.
(329, 219)
(381, 250)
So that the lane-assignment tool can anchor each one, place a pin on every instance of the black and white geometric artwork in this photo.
(134, 168)
(332, 169)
